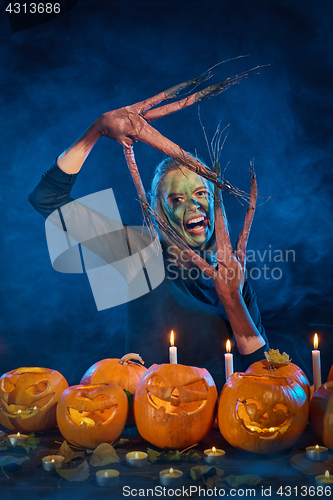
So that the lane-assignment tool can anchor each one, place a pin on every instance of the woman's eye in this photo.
(202, 193)
(176, 200)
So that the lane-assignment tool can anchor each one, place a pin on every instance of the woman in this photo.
(203, 313)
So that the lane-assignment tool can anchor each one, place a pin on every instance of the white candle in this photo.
(316, 364)
(18, 438)
(228, 361)
(108, 477)
(317, 453)
(171, 477)
(52, 462)
(213, 455)
(137, 459)
(324, 479)
(172, 350)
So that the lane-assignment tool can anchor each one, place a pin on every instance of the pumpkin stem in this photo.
(272, 367)
(131, 355)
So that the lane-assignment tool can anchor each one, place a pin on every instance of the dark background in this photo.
(58, 77)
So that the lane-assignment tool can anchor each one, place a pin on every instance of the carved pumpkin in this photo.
(174, 405)
(330, 374)
(122, 372)
(89, 415)
(29, 397)
(321, 413)
(289, 370)
(262, 413)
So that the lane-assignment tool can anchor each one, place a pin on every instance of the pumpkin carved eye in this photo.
(7, 386)
(39, 388)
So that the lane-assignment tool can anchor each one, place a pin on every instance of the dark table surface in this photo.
(29, 480)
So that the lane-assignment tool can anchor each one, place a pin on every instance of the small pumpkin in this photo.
(89, 415)
(321, 414)
(262, 413)
(175, 405)
(29, 397)
(279, 365)
(123, 372)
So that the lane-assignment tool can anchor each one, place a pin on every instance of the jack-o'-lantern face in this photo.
(260, 413)
(29, 397)
(89, 415)
(174, 405)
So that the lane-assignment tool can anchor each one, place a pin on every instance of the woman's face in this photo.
(189, 207)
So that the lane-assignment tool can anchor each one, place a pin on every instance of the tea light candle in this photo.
(172, 350)
(137, 459)
(108, 477)
(324, 479)
(171, 477)
(316, 364)
(317, 453)
(213, 456)
(228, 361)
(18, 438)
(52, 462)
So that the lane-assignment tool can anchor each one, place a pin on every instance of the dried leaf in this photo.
(10, 460)
(213, 481)
(80, 473)
(67, 452)
(121, 442)
(153, 455)
(31, 443)
(248, 479)
(103, 455)
(205, 471)
(173, 456)
(3, 446)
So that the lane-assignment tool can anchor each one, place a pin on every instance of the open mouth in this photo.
(196, 224)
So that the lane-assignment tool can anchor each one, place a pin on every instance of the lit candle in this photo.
(213, 456)
(316, 364)
(317, 453)
(52, 462)
(228, 361)
(18, 438)
(172, 350)
(324, 479)
(108, 477)
(171, 477)
(137, 459)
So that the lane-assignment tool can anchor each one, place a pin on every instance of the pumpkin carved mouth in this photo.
(187, 399)
(88, 412)
(267, 425)
(21, 411)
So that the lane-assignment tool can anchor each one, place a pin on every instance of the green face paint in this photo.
(189, 207)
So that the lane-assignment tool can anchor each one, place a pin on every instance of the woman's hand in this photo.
(228, 279)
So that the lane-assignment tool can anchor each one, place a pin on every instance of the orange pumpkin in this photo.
(175, 405)
(321, 413)
(122, 372)
(330, 374)
(262, 413)
(89, 415)
(289, 370)
(29, 397)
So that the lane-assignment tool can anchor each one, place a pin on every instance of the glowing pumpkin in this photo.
(89, 415)
(122, 372)
(284, 368)
(174, 405)
(321, 413)
(262, 413)
(29, 397)
(330, 374)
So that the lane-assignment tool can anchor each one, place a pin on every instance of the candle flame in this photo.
(53, 460)
(172, 338)
(228, 346)
(317, 447)
(327, 475)
(136, 455)
(171, 471)
(214, 449)
(315, 341)
(18, 435)
(106, 474)
(272, 429)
